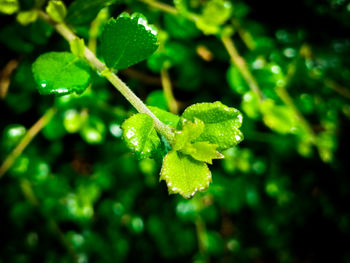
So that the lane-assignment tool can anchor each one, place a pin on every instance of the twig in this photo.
(147, 79)
(5, 76)
(201, 236)
(241, 65)
(161, 6)
(168, 92)
(244, 34)
(28, 137)
(337, 88)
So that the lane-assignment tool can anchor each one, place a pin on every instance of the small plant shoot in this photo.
(174, 131)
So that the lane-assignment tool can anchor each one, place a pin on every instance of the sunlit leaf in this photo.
(184, 175)
(222, 123)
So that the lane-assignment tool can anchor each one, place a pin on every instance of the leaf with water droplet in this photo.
(127, 40)
(61, 73)
(190, 131)
(203, 151)
(222, 123)
(184, 175)
(140, 135)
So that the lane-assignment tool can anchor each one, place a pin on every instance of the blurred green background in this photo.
(77, 194)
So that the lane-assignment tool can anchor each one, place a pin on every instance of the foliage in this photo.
(91, 176)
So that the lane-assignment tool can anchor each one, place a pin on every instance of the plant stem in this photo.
(245, 35)
(168, 91)
(241, 65)
(161, 6)
(202, 236)
(28, 137)
(5, 75)
(101, 68)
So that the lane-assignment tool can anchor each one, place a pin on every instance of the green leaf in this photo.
(203, 151)
(61, 73)
(9, 7)
(27, 17)
(166, 117)
(93, 130)
(184, 175)
(190, 131)
(279, 118)
(157, 98)
(56, 10)
(140, 135)
(214, 14)
(222, 123)
(84, 11)
(236, 81)
(127, 40)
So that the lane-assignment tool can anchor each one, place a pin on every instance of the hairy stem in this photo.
(101, 68)
(28, 137)
(168, 91)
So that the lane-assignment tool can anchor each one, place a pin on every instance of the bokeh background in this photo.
(77, 194)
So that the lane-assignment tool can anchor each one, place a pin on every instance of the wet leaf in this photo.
(222, 123)
(140, 135)
(184, 175)
(61, 73)
(203, 151)
(127, 40)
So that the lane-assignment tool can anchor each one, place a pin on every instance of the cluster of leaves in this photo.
(77, 193)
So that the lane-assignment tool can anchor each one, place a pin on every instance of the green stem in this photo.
(201, 236)
(28, 137)
(241, 65)
(101, 68)
(161, 6)
(168, 91)
(245, 35)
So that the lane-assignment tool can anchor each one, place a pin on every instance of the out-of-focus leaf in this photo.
(56, 10)
(84, 11)
(9, 7)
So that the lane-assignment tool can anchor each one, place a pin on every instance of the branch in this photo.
(241, 65)
(28, 137)
(168, 92)
(101, 68)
